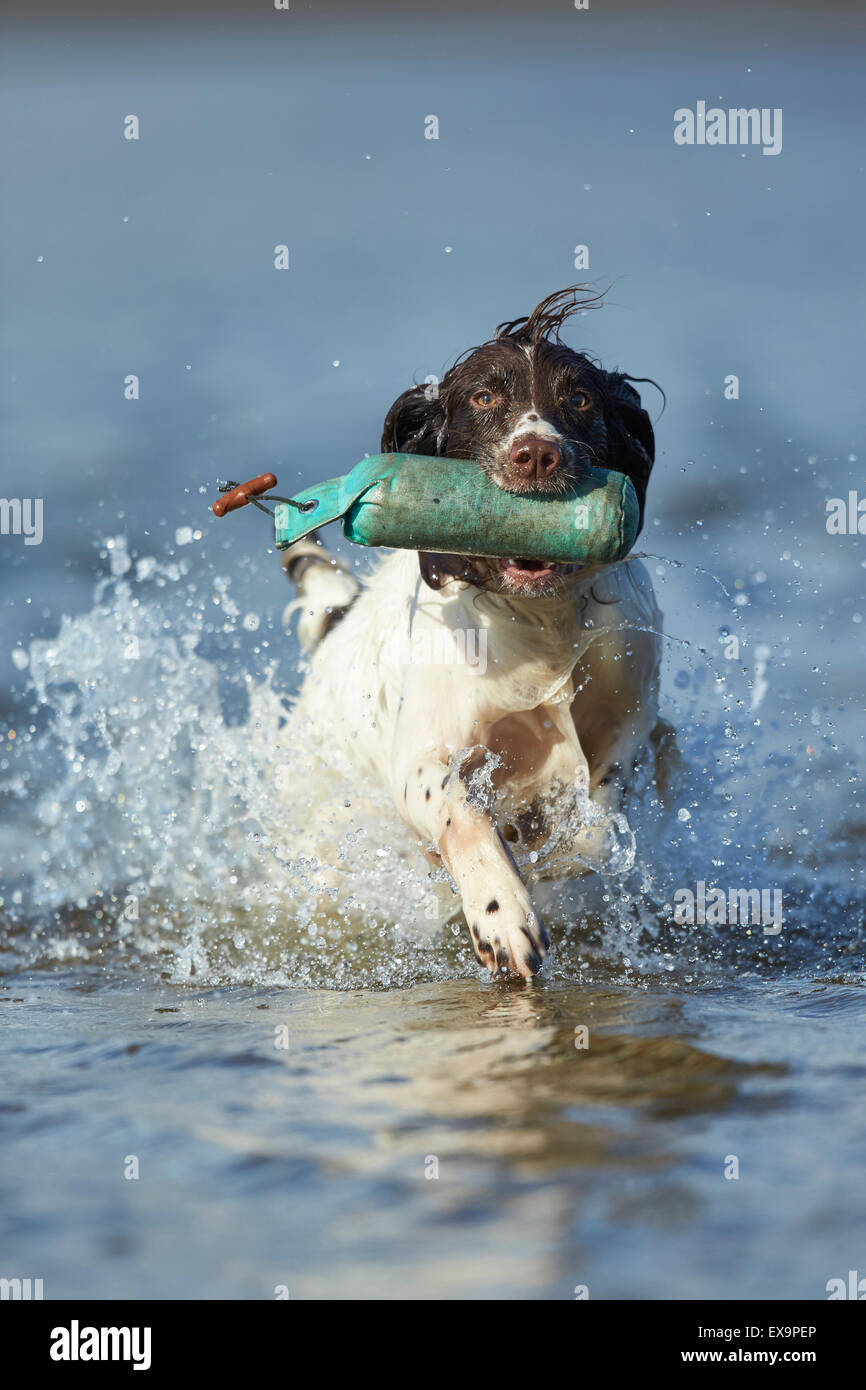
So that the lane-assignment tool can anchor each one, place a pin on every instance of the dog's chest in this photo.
(534, 750)
(513, 699)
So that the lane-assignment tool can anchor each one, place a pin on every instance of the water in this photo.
(306, 1167)
(290, 1049)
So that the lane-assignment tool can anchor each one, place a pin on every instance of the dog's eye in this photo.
(483, 400)
(580, 400)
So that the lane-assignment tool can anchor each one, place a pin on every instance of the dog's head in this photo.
(533, 413)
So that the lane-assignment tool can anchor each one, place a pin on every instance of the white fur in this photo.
(532, 423)
(569, 692)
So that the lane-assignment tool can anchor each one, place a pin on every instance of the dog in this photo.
(523, 765)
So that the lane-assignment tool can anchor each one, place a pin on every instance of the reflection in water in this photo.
(496, 1073)
(308, 1163)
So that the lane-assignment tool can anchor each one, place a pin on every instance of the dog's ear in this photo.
(632, 448)
(415, 422)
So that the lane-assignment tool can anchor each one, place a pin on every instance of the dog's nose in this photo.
(534, 457)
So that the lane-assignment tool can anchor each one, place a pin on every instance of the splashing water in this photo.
(155, 829)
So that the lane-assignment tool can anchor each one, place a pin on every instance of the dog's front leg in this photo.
(506, 932)
(507, 935)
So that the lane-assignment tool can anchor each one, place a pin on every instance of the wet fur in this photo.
(569, 697)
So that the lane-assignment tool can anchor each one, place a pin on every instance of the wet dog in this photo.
(521, 760)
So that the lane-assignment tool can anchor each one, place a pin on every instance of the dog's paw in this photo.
(507, 934)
